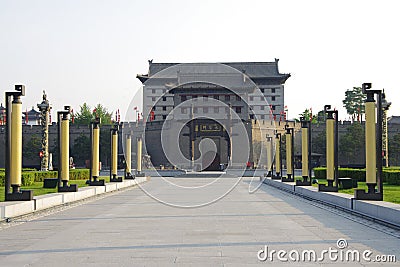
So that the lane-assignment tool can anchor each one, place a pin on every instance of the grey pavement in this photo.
(132, 228)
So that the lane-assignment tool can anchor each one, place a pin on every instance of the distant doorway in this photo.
(212, 160)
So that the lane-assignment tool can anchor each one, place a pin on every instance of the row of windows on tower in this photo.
(185, 110)
(215, 109)
(252, 116)
(263, 90)
(217, 97)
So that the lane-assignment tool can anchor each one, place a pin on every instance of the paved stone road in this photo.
(131, 229)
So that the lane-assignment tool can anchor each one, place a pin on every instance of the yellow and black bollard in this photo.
(289, 135)
(373, 146)
(128, 160)
(269, 156)
(278, 157)
(63, 157)
(331, 151)
(95, 153)
(139, 172)
(13, 170)
(114, 155)
(305, 152)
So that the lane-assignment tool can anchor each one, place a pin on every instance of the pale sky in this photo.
(91, 50)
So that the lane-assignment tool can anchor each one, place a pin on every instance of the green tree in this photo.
(32, 147)
(86, 114)
(81, 150)
(321, 117)
(394, 150)
(307, 114)
(103, 113)
(352, 144)
(105, 146)
(319, 143)
(354, 102)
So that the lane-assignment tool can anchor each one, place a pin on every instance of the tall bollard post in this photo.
(373, 146)
(305, 152)
(385, 144)
(278, 157)
(95, 153)
(63, 155)
(13, 170)
(289, 134)
(114, 154)
(331, 151)
(269, 156)
(139, 172)
(128, 160)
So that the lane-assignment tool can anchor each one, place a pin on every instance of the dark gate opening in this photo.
(212, 160)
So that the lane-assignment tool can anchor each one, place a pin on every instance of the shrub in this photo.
(389, 175)
(31, 176)
(79, 174)
(28, 178)
(41, 175)
(320, 173)
(28, 169)
(358, 174)
(2, 178)
(392, 177)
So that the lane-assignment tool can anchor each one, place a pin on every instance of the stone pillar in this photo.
(44, 108)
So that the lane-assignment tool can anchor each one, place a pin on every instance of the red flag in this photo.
(26, 116)
(152, 115)
(94, 110)
(72, 116)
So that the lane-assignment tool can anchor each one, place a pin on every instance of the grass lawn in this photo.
(38, 189)
(391, 193)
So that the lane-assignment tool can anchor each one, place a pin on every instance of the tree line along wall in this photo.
(79, 144)
(352, 143)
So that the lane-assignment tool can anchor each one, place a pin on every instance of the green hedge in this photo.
(29, 177)
(40, 175)
(389, 175)
(320, 173)
(79, 174)
(358, 174)
(392, 177)
(2, 178)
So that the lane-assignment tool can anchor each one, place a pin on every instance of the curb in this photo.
(385, 212)
(19, 208)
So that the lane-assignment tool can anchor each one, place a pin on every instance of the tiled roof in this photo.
(251, 69)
